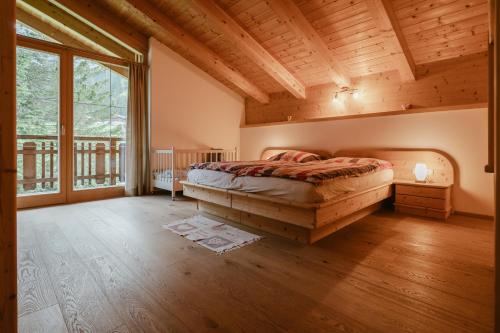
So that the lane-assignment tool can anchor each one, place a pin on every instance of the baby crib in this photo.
(170, 166)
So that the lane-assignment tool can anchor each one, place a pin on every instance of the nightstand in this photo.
(423, 199)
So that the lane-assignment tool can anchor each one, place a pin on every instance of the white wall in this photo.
(189, 108)
(462, 134)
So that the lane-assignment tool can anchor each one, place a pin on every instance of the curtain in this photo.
(137, 178)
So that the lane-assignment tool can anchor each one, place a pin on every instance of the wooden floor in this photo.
(109, 266)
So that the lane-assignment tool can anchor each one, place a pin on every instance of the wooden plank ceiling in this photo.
(258, 47)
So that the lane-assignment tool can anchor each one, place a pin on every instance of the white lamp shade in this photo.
(420, 172)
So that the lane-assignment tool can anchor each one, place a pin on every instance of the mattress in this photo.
(288, 189)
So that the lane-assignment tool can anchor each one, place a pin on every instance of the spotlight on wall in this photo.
(336, 100)
(355, 93)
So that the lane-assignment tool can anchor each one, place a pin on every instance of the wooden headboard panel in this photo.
(441, 165)
(268, 152)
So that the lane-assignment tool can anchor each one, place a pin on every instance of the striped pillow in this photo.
(295, 156)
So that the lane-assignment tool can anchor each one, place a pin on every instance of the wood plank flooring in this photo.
(109, 266)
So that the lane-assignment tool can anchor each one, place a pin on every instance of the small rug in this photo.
(213, 235)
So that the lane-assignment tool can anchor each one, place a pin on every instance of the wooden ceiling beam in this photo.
(387, 23)
(252, 49)
(53, 29)
(46, 28)
(79, 27)
(173, 34)
(63, 35)
(105, 21)
(288, 12)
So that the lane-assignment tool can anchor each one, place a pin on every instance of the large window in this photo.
(25, 30)
(71, 123)
(100, 93)
(38, 100)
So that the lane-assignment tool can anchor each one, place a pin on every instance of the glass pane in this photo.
(37, 121)
(25, 30)
(100, 94)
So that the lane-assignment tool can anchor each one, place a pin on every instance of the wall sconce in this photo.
(420, 172)
(355, 93)
(337, 100)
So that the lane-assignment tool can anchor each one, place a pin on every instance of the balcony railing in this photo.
(97, 162)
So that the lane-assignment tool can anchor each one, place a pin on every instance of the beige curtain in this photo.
(137, 177)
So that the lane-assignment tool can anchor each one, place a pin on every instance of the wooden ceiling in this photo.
(258, 47)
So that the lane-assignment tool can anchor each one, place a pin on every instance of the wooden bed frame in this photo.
(308, 223)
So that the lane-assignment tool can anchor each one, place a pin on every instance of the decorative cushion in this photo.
(295, 156)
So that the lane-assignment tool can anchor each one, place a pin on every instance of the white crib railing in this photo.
(171, 165)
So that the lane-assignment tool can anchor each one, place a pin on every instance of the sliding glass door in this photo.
(71, 124)
(100, 93)
(40, 119)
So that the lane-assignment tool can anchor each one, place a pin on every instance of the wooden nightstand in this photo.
(424, 199)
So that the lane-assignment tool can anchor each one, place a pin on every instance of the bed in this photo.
(170, 166)
(305, 211)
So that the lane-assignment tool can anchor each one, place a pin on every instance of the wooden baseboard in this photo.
(479, 216)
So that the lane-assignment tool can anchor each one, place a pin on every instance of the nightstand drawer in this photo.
(424, 199)
(412, 200)
(421, 211)
(421, 191)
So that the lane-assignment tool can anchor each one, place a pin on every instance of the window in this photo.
(38, 97)
(70, 137)
(27, 31)
(100, 94)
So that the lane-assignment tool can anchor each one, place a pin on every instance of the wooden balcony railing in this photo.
(97, 161)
